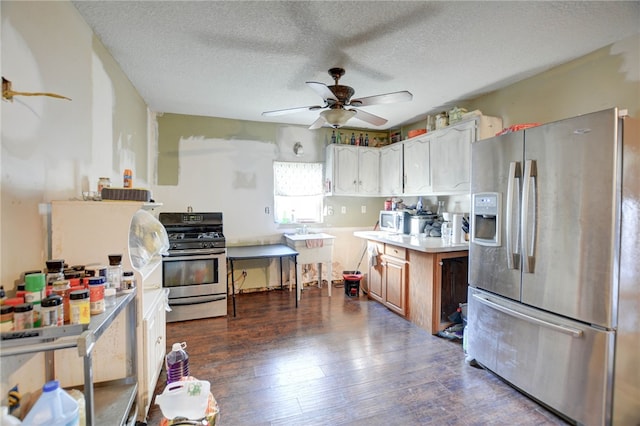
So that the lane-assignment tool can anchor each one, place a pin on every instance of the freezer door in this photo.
(496, 167)
(569, 216)
(564, 364)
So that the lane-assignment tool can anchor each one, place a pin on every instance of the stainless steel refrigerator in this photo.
(554, 265)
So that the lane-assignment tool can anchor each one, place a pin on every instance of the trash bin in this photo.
(352, 283)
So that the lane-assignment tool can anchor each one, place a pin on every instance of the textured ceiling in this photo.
(236, 59)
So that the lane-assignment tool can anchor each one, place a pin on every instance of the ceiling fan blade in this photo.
(322, 90)
(387, 98)
(290, 110)
(318, 123)
(369, 118)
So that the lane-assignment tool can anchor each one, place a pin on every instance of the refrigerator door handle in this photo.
(574, 332)
(529, 192)
(513, 259)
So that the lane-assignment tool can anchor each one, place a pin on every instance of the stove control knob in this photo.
(174, 246)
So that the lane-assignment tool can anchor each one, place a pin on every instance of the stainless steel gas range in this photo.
(195, 269)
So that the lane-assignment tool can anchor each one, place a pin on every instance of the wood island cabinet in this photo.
(388, 277)
(423, 287)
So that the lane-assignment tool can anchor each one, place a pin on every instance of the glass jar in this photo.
(128, 281)
(103, 182)
(114, 272)
(79, 307)
(62, 288)
(55, 270)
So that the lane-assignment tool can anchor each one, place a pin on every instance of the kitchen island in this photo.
(417, 277)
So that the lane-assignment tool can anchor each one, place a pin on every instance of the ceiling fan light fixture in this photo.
(337, 117)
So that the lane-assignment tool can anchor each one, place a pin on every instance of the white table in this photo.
(313, 248)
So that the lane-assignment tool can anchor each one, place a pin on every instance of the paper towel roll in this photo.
(456, 237)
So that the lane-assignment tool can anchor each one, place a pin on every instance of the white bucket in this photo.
(186, 398)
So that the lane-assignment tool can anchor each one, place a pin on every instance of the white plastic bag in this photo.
(148, 241)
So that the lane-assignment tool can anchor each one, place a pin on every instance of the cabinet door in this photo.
(417, 178)
(345, 170)
(451, 158)
(368, 171)
(376, 273)
(391, 173)
(160, 334)
(454, 286)
(395, 284)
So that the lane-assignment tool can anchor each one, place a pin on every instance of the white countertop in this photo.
(309, 236)
(412, 242)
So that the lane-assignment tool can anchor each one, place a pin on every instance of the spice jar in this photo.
(62, 288)
(103, 182)
(55, 270)
(52, 311)
(96, 295)
(6, 318)
(23, 317)
(128, 281)
(79, 307)
(114, 272)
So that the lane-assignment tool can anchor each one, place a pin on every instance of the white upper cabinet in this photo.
(353, 170)
(451, 153)
(391, 173)
(417, 179)
(435, 163)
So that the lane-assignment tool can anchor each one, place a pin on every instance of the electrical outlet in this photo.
(266, 210)
(344, 209)
(363, 209)
(329, 211)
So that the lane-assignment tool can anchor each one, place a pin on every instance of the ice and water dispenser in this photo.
(486, 218)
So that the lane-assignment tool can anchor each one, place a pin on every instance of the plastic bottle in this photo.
(55, 407)
(35, 286)
(177, 363)
(127, 178)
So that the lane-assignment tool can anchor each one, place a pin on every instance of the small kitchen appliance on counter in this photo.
(195, 270)
(396, 221)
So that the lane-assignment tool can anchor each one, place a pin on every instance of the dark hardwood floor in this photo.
(339, 361)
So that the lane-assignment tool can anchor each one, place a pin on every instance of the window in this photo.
(298, 192)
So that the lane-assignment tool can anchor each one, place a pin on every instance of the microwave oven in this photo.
(396, 221)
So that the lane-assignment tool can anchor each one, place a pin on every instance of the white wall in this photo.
(54, 149)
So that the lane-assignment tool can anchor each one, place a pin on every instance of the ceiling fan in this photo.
(336, 100)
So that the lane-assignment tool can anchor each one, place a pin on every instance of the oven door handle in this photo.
(191, 257)
(197, 300)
